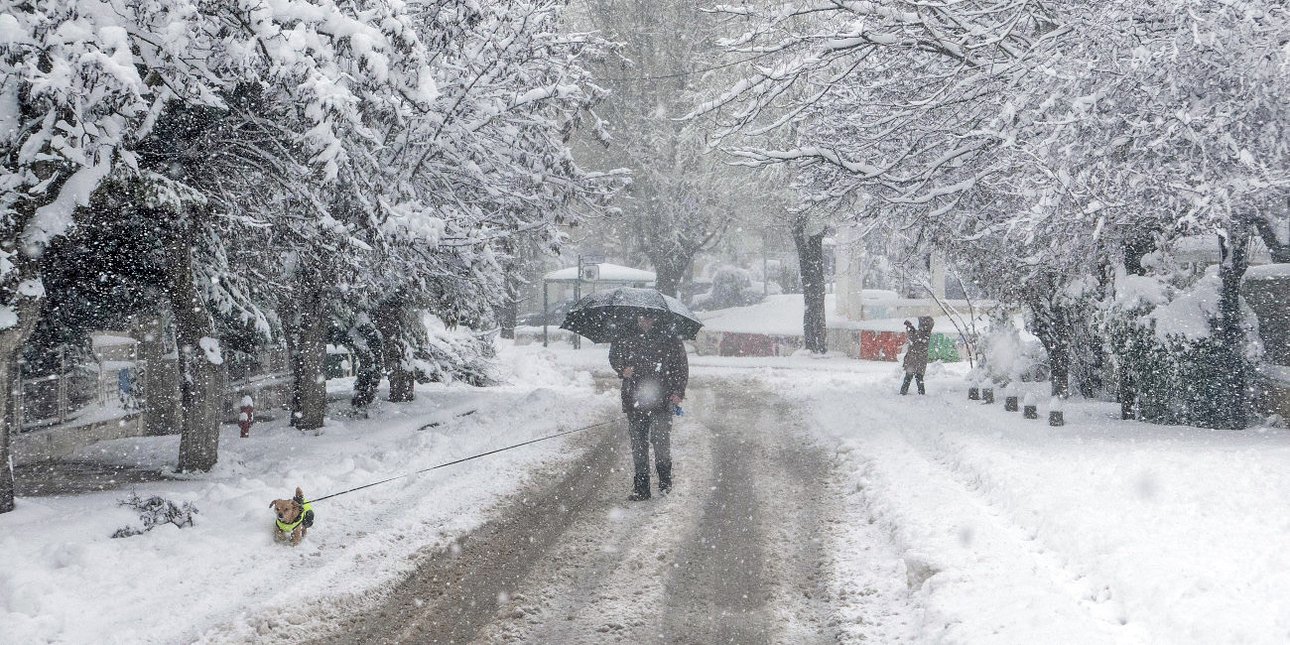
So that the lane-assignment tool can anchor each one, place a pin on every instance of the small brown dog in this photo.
(295, 516)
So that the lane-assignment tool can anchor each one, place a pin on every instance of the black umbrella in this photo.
(602, 317)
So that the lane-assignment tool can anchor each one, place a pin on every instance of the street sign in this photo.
(590, 272)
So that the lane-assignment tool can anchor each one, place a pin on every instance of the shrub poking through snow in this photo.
(445, 357)
(155, 511)
(731, 287)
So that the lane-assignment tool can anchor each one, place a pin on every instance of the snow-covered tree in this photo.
(1152, 118)
(681, 199)
(486, 172)
(289, 154)
(1020, 135)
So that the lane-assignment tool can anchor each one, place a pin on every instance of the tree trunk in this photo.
(309, 352)
(201, 395)
(1054, 332)
(10, 382)
(669, 271)
(1135, 251)
(370, 368)
(1230, 410)
(509, 310)
(402, 383)
(160, 378)
(1128, 394)
(810, 259)
(12, 341)
(389, 321)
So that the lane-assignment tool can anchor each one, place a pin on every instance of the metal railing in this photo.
(72, 393)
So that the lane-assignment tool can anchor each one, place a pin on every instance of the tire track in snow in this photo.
(718, 592)
(739, 553)
(605, 581)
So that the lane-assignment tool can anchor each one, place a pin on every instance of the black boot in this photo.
(664, 477)
(640, 488)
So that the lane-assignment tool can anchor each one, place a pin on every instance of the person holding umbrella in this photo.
(645, 330)
(654, 370)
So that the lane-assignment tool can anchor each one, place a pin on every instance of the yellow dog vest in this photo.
(306, 518)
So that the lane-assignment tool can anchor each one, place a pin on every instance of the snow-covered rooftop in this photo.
(608, 273)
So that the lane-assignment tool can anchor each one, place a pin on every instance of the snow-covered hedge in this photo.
(1162, 337)
(444, 356)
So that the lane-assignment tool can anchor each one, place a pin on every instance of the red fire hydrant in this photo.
(246, 416)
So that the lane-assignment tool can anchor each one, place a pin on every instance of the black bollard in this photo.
(1056, 418)
(1031, 411)
(974, 393)
(1011, 403)
(987, 395)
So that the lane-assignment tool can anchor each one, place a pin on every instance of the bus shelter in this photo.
(595, 276)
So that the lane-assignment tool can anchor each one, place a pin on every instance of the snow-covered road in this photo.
(813, 504)
(743, 551)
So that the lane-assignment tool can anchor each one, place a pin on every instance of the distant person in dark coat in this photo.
(916, 355)
(654, 370)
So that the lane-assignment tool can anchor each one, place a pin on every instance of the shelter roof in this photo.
(611, 273)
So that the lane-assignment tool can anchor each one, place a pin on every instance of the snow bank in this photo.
(1133, 291)
(607, 272)
(781, 315)
(777, 315)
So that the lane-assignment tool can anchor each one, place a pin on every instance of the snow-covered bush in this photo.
(155, 511)
(1008, 356)
(1163, 339)
(731, 287)
(445, 356)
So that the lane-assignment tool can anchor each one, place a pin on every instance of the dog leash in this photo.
(465, 459)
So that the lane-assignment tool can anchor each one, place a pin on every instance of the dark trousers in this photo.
(904, 387)
(646, 428)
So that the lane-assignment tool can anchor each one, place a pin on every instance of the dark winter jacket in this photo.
(919, 339)
(661, 370)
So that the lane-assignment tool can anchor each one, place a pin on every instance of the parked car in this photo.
(554, 316)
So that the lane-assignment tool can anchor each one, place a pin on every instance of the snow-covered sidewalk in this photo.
(63, 580)
(1101, 531)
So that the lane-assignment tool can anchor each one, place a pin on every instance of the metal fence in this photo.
(103, 390)
(78, 392)
(110, 383)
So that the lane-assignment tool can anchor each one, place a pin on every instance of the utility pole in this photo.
(588, 268)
